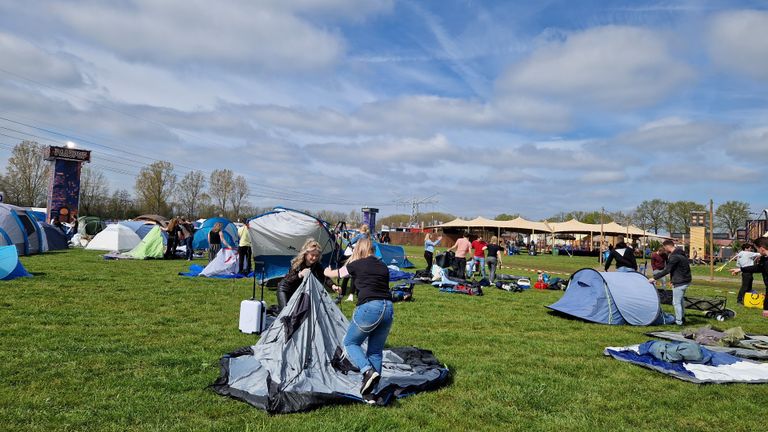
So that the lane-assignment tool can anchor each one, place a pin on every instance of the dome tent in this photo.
(115, 237)
(611, 298)
(21, 229)
(229, 229)
(10, 266)
(278, 235)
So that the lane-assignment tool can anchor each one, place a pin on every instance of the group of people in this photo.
(751, 260)
(180, 232)
(480, 253)
(373, 316)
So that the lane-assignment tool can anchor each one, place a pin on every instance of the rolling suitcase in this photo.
(253, 313)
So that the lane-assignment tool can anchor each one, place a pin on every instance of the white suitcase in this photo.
(253, 316)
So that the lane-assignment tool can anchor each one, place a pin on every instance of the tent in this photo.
(152, 218)
(277, 237)
(56, 238)
(224, 264)
(392, 255)
(90, 225)
(611, 298)
(151, 246)
(10, 266)
(229, 229)
(21, 229)
(141, 228)
(115, 237)
(298, 364)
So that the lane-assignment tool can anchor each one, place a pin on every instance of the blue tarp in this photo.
(10, 266)
(228, 229)
(396, 275)
(611, 298)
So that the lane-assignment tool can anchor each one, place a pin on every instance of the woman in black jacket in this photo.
(305, 263)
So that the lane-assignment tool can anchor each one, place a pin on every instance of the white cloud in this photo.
(603, 177)
(737, 42)
(29, 61)
(612, 66)
(670, 134)
(749, 145)
(227, 34)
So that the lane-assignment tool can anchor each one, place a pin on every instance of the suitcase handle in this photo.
(263, 276)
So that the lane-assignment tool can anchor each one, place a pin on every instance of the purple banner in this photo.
(64, 190)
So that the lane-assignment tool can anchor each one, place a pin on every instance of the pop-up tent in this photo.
(393, 255)
(115, 237)
(298, 364)
(18, 227)
(141, 228)
(277, 237)
(151, 246)
(90, 225)
(611, 298)
(228, 229)
(10, 266)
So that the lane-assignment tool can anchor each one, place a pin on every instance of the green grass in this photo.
(93, 345)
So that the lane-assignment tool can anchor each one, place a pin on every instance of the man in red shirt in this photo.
(478, 259)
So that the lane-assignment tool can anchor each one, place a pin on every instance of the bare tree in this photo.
(190, 192)
(238, 198)
(155, 185)
(221, 187)
(120, 205)
(27, 175)
(94, 191)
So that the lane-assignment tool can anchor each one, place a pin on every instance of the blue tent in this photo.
(57, 240)
(10, 266)
(141, 228)
(611, 298)
(392, 255)
(228, 228)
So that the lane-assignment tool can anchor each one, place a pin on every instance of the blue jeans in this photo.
(678, 292)
(625, 269)
(372, 321)
(477, 261)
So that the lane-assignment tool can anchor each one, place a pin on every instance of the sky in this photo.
(487, 107)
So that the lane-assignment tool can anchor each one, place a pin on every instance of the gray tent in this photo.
(298, 364)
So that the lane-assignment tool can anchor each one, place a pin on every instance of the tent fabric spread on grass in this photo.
(10, 266)
(720, 368)
(611, 298)
(298, 364)
(223, 266)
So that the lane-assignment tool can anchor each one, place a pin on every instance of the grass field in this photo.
(93, 345)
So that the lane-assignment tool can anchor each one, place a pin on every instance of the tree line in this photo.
(159, 190)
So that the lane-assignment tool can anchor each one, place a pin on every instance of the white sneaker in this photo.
(350, 298)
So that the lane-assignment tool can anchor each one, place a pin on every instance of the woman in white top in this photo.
(745, 258)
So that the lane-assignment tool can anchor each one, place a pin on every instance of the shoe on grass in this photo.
(370, 379)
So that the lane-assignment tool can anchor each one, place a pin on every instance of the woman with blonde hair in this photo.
(305, 263)
(429, 249)
(215, 241)
(373, 316)
(173, 238)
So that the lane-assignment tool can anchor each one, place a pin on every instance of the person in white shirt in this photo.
(745, 258)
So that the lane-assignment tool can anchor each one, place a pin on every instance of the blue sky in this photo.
(516, 107)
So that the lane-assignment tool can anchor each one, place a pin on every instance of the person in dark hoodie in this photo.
(679, 270)
(624, 257)
(305, 263)
(761, 267)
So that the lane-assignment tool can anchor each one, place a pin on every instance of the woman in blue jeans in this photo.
(373, 316)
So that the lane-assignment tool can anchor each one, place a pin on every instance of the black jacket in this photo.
(677, 266)
(291, 281)
(760, 267)
(626, 260)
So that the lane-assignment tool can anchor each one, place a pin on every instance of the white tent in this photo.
(115, 237)
(225, 264)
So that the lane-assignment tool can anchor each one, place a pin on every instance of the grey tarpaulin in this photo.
(298, 364)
